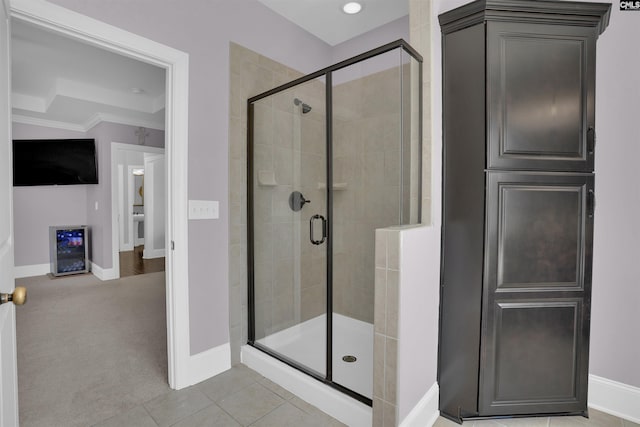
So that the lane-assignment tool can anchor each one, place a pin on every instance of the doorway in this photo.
(138, 194)
(99, 34)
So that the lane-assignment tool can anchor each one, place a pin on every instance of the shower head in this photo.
(305, 107)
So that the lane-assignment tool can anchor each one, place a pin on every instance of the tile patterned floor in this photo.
(596, 419)
(242, 397)
(238, 397)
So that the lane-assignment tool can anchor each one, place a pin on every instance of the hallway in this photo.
(132, 263)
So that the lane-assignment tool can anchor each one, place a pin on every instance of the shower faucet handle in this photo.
(297, 201)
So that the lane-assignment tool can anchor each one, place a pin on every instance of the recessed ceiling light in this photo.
(352, 8)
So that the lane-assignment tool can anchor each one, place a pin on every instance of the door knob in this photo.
(18, 297)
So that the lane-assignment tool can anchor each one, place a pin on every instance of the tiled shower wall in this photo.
(251, 74)
(368, 131)
(420, 40)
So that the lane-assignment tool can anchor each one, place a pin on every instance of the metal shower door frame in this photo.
(327, 74)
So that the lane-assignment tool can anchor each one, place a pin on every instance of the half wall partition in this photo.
(332, 156)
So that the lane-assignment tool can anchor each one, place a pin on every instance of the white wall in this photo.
(418, 318)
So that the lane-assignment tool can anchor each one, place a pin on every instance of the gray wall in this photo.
(36, 208)
(615, 336)
(100, 220)
(204, 29)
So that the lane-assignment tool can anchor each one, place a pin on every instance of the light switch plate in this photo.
(204, 209)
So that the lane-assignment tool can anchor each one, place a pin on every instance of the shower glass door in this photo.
(372, 157)
(287, 224)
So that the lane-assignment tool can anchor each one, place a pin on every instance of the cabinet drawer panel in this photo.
(540, 97)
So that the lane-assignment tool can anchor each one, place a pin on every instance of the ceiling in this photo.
(63, 83)
(326, 20)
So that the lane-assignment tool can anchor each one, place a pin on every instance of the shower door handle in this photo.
(324, 229)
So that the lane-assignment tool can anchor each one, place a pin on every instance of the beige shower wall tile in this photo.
(262, 124)
(390, 369)
(378, 412)
(393, 249)
(378, 366)
(283, 129)
(240, 55)
(393, 285)
(389, 414)
(313, 302)
(381, 248)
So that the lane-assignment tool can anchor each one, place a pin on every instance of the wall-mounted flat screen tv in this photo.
(54, 162)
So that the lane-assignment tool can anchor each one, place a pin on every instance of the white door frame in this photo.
(151, 216)
(176, 63)
(8, 354)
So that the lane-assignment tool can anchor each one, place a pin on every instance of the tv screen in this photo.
(54, 162)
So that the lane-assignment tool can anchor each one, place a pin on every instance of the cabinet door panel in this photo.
(541, 336)
(540, 236)
(537, 293)
(540, 97)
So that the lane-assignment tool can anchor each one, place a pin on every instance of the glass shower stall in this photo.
(332, 156)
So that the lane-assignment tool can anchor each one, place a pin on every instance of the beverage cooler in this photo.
(69, 249)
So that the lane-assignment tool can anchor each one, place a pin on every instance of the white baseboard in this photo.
(104, 273)
(614, 398)
(205, 365)
(20, 271)
(153, 253)
(426, 412)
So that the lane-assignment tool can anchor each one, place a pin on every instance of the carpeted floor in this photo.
(89, 350)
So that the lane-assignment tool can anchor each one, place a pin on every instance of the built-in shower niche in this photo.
(332, 157)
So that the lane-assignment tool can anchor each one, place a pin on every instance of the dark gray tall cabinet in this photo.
(518, 204)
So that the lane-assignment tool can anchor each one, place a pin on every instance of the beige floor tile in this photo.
(251, 403)
(211, 416)
(444, 422)
(524, 422)
(285, 415)
(138, 417)
(229, 382)
(170, 408)
(283, 393)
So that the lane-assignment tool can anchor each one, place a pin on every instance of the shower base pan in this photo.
(305, 344)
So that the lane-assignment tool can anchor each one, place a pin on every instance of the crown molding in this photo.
(533, 11)
(36, 121)
(122, 120)
(88, 125)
